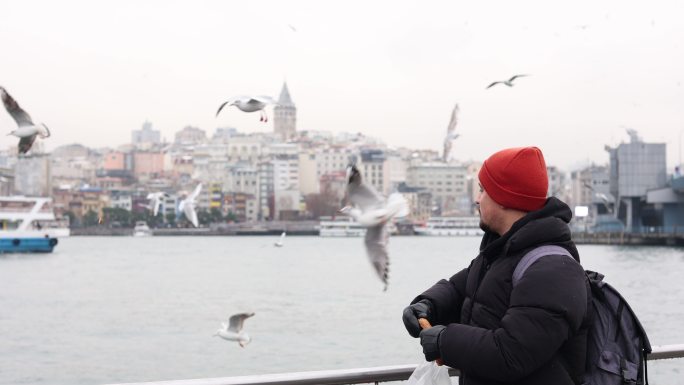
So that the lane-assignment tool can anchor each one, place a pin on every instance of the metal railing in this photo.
(357, 375)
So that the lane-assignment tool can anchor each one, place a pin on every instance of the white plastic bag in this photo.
(429, 373)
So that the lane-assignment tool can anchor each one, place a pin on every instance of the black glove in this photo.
(429, 338)
(421, 309)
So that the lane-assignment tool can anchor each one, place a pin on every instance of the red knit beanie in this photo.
(516, 178)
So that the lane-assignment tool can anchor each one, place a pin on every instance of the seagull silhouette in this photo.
(233, 331)
(372, 211)
(187, 206)
(156, 200)
(249, 104)
(27, 131)
(451, 134)
(508, 82)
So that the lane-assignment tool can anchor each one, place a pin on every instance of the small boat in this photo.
(141, 229)
(28, 225)
(281, 241)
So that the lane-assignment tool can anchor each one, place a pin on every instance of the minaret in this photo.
(285, 115)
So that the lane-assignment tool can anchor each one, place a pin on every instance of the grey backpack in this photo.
(617, 344)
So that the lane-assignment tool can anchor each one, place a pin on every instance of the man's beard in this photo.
(485, 227)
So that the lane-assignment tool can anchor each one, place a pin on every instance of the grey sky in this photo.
(92, 71)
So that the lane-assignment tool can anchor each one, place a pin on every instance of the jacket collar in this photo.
(548, 225)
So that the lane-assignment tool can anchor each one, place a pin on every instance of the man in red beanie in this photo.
(496, 332)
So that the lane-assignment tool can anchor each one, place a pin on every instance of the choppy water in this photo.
(106, 310)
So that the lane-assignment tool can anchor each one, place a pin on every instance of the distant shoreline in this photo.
(629, 239)
(615, 239)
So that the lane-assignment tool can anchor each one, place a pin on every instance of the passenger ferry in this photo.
(342, 226)
(450, 226)
(28, 225)
(141, 229)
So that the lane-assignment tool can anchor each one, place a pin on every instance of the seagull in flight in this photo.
(187, 206)
(372, 211)
(27, 131)
(508, 82)
(156, 200)
(250, 104)
(233, 331)
(451, 134)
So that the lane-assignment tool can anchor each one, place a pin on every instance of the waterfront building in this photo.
(32, 175)
(419, 200)
(668, 206)
(374, 169)
(447, 184)
(242, 205)
(635, 168)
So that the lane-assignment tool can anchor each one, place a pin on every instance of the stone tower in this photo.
(285, 115)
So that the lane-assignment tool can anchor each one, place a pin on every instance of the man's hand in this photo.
(421, 309)
(429, 338)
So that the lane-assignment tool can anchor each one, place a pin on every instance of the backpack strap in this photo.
(533, 255)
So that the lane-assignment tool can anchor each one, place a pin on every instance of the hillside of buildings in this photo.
(293, 175)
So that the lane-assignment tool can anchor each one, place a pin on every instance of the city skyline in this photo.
(388, 70)
(219, 132)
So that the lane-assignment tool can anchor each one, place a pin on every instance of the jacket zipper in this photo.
(481, 275)
(486, 265)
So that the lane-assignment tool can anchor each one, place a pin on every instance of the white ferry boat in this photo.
(141, 229)
(342, 226)
(28, 224)
(450, 226)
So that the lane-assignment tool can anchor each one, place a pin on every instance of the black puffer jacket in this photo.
(528, 335)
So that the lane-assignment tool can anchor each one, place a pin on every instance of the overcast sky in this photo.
(94, 70)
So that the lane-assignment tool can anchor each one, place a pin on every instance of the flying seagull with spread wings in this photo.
(26, 131)
(156, 200)
(451, 134)
(508, 82)
(187, 206)
(371, 210)
(233, 330)
(249, 104)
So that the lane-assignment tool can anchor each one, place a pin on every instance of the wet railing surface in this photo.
(356, 375)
